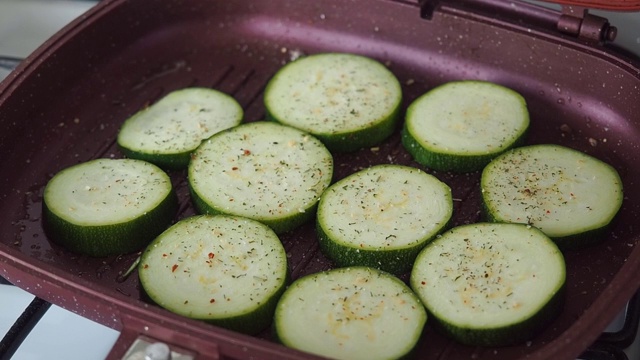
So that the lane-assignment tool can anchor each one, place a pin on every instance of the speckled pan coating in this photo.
(64, 104)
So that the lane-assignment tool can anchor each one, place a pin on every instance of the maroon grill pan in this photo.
(65, 102)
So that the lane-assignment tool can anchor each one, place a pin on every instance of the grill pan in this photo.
(64, 105)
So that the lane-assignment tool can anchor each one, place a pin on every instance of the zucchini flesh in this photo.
(350, 313)
(491, 284)
(569, 195)
(347, 101)
(229, 271)
(166, 132)
(108, 206)
(460, 126)
(261, 170)
(382, 217)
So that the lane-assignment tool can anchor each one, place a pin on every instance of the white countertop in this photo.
(26, 24)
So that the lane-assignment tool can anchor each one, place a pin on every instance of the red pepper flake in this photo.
(212, 301)
(164, 255)
(548, 211)
(234, 168)
(174, 267)
(211, 255)
(145, 266)
(423, 282)
(246, 152)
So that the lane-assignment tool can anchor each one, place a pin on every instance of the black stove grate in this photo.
(627, 334)
(603, 351)
(611, 345)
(23, 325)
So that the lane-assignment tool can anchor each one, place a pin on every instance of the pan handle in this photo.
(616, 5)
(139, 341)
(573, 20)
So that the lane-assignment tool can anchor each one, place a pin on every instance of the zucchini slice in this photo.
(261, 170)
(382, 217)
(460, 126)
(166, 132)
(228, 271)
(108, 206)
(350, 313)
(490, 284)
(569, 195)
(348, 101)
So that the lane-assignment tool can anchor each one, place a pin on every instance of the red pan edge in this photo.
(606, 110)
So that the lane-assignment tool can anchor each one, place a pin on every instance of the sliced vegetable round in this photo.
(460, 126)
(108, 206)
(166, 132)
(350, 313)
(490, 284)
(348, 101)
(382, 217)
(569, 195)
(262, 170)
(229, 271)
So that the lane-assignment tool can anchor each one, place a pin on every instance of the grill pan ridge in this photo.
(64, 105)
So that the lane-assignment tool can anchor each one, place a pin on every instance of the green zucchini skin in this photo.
(382, 217)
(255, 322)
(177, 161)
(280, 225)
(371, 93)
(357, 313)
(106, 238)
(568, 242)
(456, 163)
(251, 324)
(570, 195)
(180, 284)
(505, 283)
(259, 320)
(168, 131)
(507, 335)
(397, 261)
(460, 126)
(262, 170)
(349, 141)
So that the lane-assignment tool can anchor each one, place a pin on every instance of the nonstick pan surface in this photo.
(66, 102)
